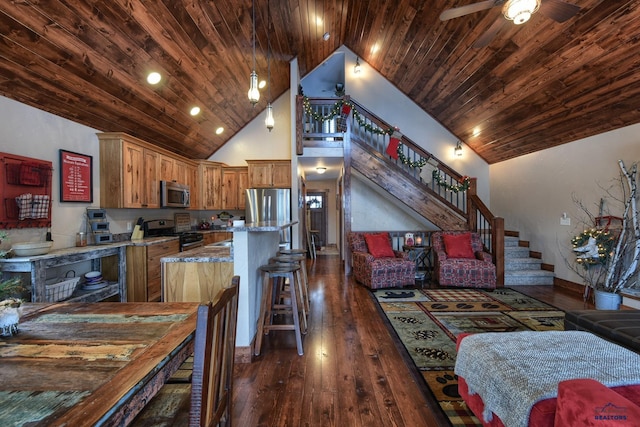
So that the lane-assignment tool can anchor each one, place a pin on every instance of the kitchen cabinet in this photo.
(143, 269)
(216, 236)
(210, 185)
(128, 172)
(174, 169)
(234, 182)
(269, 173)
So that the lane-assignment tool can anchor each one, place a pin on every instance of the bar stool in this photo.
(300, 260)
(274, 277)
(303, 265)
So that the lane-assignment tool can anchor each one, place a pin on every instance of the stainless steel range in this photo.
(166, 227)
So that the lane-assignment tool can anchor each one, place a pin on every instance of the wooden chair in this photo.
(207, 400)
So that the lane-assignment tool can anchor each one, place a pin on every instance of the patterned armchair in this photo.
(475, 269)
(382, 272)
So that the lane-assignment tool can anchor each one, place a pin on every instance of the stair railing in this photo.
(320, 123)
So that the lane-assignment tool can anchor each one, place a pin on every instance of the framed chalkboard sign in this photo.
(76, 177)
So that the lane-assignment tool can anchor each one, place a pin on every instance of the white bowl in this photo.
(31, 248)
(93, 274)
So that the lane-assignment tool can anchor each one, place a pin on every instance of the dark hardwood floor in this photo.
(351, 374)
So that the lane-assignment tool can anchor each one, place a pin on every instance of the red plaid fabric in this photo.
(24, 205)
(40, 206)
(33, 206)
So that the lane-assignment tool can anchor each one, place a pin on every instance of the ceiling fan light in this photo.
(519, 11)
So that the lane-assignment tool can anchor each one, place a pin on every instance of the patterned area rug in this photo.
(427, 322)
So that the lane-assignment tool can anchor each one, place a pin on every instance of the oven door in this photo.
(191, 245)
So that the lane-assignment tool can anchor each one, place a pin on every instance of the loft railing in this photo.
(322, 123)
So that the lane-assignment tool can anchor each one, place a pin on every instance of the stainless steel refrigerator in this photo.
(269, 205)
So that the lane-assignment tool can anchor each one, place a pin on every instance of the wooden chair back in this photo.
(215, 343)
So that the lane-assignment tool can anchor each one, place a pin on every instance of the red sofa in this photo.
(380, 267)
(580, 402)
(458, 266)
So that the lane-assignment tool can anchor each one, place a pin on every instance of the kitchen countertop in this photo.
(263, 226)
(210, 253)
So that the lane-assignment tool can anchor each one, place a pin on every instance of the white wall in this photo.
(531, 192)
(383, 99)
(27, 131)
(328, 186)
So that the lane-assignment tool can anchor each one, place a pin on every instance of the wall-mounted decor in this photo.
(76, 177)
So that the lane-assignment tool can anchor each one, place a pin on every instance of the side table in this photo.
(421, 255)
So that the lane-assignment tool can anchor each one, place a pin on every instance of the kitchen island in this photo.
(194, 276)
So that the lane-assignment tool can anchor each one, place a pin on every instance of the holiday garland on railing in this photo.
(342, 108)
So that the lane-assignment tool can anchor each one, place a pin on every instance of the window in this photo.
(314, 202)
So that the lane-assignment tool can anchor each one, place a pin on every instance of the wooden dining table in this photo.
(91, 364)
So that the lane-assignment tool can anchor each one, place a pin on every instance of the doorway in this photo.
(316, 205)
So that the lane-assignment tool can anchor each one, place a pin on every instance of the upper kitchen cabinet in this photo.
(209, 185)
(269, 173)
(234, 182)
(131, 171)
(128, 172)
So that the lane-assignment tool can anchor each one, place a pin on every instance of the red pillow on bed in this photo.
(379, 246)
(458, 245)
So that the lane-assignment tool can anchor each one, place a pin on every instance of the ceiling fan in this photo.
(518, 11)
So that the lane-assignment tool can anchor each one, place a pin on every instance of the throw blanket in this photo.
(512, 371)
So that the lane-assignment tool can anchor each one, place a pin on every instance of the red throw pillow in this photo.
(458, 245)
(379, 246)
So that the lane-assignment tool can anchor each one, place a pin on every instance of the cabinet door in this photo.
(281, 174)
(151, 182)
(154, 253)
(229, 189)
(133, 175)
(260, 175)
(243, 182)
(166, 169)
(211, 186)
(180, 172)
(194, 186)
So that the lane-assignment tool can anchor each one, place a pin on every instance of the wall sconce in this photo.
(357, 68)
(458, 150)
(321, 170)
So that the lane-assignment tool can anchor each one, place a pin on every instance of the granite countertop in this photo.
(263, 226)
(210, 253)
(76, 250)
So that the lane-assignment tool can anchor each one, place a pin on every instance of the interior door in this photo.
(316, 204)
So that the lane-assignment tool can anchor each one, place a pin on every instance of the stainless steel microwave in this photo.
(174, 195)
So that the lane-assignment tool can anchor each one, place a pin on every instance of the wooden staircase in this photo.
(521, 265)
(411, 192)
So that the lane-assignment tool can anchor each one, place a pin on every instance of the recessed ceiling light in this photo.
(262, 84)
(154, 78)
(194, 111)
(219, 130)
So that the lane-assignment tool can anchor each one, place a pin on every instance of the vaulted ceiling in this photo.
(531, 87)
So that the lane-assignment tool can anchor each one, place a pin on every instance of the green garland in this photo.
(420, 163)
(335, 111)
(605, 242)
(465, 182)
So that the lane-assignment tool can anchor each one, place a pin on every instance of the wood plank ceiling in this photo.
(533, 86)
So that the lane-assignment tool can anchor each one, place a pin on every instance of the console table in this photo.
(37, 266)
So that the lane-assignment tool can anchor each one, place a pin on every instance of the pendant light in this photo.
(269, 121)
(254, 92)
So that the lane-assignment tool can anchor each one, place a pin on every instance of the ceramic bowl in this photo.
(93, 275)
(31, 248)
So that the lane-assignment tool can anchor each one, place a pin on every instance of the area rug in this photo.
(427, 321)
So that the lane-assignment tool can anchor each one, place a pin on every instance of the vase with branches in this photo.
(609, 259)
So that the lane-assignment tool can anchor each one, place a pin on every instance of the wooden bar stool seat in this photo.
(274, 301)
(302, 260)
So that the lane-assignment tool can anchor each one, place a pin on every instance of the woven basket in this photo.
(61, 290)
